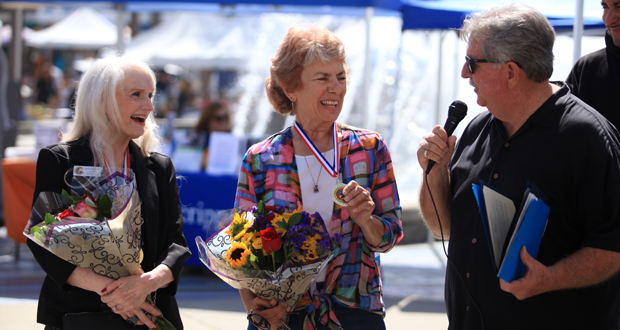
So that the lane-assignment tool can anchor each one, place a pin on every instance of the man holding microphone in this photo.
(538, 132)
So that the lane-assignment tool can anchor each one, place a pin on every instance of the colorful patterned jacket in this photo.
(269, 173)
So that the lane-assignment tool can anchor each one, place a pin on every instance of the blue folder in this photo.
(528, 233)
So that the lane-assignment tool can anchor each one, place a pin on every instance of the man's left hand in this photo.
(537, 280)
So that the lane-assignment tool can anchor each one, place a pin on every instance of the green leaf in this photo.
(105, 207)
(90, 202)
(66, 198)
(282, 225)
(76, 199)
(294, 220)
(261, 207)
(49, 219)
(34, 229)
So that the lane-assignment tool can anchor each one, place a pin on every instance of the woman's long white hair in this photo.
(97, 112)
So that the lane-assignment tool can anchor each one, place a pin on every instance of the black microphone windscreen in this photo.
(458, 109)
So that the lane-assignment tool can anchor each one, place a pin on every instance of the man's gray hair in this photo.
(514, 32)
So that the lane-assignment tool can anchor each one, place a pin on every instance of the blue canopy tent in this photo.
(449, 14)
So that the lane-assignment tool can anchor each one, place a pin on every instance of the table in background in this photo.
(18, 177)
(202, 196)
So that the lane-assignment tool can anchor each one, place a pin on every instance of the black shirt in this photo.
(595, 79)
(571, 153)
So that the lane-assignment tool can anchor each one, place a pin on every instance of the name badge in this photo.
(88, 171)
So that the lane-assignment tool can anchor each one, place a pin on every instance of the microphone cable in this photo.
(443, 244)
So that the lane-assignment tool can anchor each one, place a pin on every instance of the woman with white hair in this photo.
(114, 127)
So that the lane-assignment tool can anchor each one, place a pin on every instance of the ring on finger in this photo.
(115, 309)
(425, 153)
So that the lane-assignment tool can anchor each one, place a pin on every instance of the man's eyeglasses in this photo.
(262, 323)
(471, 63)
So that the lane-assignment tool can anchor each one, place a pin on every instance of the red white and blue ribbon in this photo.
(331, 169)
(125, 164)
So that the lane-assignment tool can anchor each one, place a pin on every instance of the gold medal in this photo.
(338, 195)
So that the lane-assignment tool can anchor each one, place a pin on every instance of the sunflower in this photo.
(311, 241)
(274, 222)
(288, 215)
(254, 241)
(311, 254)
(242, 233)
(239, 223)
(238, 255)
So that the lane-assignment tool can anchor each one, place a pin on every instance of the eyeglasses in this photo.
(262, 323)
(471, 63)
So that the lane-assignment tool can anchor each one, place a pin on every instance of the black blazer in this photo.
(163, 240)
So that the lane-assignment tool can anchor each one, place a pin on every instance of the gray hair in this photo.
(514, 32)
(97, 112)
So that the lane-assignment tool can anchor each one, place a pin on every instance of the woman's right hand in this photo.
(271, 310)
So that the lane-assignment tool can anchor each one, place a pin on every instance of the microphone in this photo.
(456, 113)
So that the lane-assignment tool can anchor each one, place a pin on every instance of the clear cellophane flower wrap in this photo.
(110, 247)
(286, 284)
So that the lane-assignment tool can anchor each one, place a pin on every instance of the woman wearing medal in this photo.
(342, 172)
(113, 128)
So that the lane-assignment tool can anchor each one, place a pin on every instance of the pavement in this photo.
(413, 276)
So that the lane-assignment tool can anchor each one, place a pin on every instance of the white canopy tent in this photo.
(85, 28)
(198, 41)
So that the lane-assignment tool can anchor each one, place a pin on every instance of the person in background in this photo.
(538, 132)
(595, 78)
(215, 117)
(46, 88)
(113, 120)
(309, 81)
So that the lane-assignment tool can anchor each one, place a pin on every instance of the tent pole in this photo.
(17, 44)
(439, 73)
(577, 30)
(389, 135)
(120, 25)
(367, 71)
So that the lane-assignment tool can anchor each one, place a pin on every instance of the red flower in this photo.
(64, 214)
(270, 208)
(271, 240)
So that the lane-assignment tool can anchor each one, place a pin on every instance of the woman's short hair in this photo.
(97, 112)
(208, 114)
(514, 32)
(301, 46)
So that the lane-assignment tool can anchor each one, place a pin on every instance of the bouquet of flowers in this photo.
(97, 227)
(269, 251)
